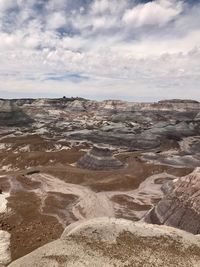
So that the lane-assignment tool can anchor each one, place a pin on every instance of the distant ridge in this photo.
(179, 101)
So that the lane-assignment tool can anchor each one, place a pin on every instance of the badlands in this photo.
(110, 183)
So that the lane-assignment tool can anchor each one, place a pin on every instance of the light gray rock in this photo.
(116, 242)
(177, 130)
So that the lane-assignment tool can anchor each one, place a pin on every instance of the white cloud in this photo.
(6, 4)
(157, 13)
(56, 20)
(100, 6)
(103, 6)
(56, 5)
(9, 41)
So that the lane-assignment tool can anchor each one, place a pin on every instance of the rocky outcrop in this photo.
(197, 118)
(184, 104)
(180, 207)
(178, 101)
(99, 158)
(173, 130)
(176, 115)
(5, 255)
(12, 115)
(113, 242)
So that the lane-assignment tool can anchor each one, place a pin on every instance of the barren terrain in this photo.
(43, 190)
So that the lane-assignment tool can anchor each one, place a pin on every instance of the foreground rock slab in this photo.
(117, 242)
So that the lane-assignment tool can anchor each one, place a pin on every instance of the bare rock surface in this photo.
(5, 256)
(197, 117)
(117, 242)
(180, 207)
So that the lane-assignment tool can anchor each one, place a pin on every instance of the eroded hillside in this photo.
(43, 189)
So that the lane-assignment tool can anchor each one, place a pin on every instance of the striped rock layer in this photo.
(99, 158)
(180, 207)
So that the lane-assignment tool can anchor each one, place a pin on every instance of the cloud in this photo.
(106, 6)
(7, 4)
(157, 13)
(56, 20)
(100, 48)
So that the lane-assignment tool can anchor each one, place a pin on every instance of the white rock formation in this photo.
(5, 256)
(116, 242)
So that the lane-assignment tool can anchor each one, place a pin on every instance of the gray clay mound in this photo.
(12, 115)
(99, 158)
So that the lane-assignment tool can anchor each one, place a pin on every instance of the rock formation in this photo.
(5, 255)
(180, 207)
(12, 115)
(99, 158)
(197, 118)
(113, 242)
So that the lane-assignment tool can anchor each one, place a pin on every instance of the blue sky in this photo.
(99, 49)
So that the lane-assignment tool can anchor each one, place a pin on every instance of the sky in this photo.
(100, 49)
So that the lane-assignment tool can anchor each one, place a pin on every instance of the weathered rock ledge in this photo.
(117, 242)
(180, 207)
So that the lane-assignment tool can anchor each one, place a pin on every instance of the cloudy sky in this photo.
(99, 49)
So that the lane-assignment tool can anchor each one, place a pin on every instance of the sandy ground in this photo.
(88, 205)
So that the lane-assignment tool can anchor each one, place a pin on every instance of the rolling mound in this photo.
(116, 242)
(99, 158)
